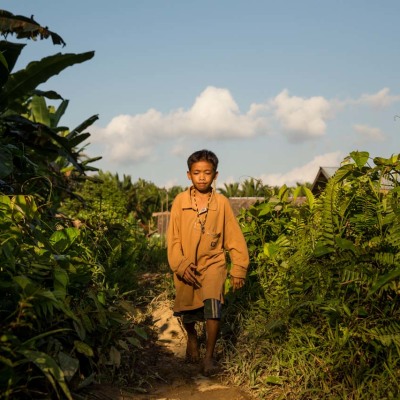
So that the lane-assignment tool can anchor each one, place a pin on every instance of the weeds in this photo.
(319, 319)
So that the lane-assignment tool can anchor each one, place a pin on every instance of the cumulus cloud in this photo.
(305, 173)
(302, 118)
(214, 115)
(369, 133)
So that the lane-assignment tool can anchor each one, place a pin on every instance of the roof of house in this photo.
(323, 175)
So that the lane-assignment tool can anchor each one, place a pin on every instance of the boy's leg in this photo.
(192, 347)
(212, 314)
(212, 329)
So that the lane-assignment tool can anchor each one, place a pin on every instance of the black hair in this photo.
(203, 155)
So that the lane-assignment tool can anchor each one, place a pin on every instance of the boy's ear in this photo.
(188, 175)
(215, 176)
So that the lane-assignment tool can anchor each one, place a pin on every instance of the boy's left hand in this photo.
(237, 283)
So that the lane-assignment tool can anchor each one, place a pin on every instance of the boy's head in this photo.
(203, 155)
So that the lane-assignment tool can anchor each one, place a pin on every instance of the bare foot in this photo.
(192, 349)
(209, 367)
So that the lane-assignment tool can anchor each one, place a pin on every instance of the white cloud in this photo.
(380, 99)
(214, 115)
(305, 173)
(369, 133)
(302, 118)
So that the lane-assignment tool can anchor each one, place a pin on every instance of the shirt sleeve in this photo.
(235, 243)
(177, 261)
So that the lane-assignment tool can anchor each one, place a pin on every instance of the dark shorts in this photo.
(211, 310)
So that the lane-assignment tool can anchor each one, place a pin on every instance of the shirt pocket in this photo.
(213, 240)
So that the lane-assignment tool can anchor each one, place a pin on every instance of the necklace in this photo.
(204, 211)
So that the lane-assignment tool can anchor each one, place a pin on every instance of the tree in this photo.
(38, 161)
(144, 199)
(230, 190)
(31, 145)
(254, 188)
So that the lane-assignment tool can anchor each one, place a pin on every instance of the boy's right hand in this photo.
(190, 276)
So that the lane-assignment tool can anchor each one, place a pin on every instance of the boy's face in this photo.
(202, 175)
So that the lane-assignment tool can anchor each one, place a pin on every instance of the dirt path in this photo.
(172, 378)
(177, 380)
(184, 380)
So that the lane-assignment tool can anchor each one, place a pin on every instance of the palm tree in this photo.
(230, 190)
(144, 198)
(254, 188)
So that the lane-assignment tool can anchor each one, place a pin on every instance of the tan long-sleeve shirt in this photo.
(188, 245)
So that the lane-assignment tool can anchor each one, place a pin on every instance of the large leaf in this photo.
(10, 52)
(283, 193)
(49, 94)
(69, 365)
(49, 368)
(79, 139)
(26, 28)
(23, 207)
(83, 348)
(61, 240)
(21, 83)
(39, 110)
(36, 135)
(310, 197)
(83, 126)
(360, 158)
(55, 118)
(343, 172)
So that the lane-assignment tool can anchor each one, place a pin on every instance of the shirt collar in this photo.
(188, 201)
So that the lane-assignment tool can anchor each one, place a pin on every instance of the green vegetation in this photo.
(323, 293)
(319, 317)
(68, 286)
(248, 188)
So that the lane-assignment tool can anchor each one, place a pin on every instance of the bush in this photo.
(323, 320)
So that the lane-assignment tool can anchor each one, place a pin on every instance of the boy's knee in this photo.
(212, 309)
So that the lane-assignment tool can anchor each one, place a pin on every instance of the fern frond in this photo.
(386, 259)
(393, 237)
(329, 221)
(388, 334)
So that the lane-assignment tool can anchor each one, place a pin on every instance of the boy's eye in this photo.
(199, 172)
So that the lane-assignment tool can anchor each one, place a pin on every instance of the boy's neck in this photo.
(201, 200)
(202, 194)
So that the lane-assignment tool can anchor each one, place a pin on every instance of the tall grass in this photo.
(320, 316)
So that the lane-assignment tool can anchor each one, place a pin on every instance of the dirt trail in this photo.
(177, 380)
(184, 380)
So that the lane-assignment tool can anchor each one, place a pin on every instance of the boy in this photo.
(201, 228)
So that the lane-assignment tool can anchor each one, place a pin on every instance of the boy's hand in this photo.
(237, 283)
(190, 276)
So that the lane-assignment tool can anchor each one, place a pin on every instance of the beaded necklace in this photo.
(202, 211)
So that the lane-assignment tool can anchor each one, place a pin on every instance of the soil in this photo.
(173, 377)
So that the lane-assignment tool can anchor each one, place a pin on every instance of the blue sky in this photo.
(275, 88)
